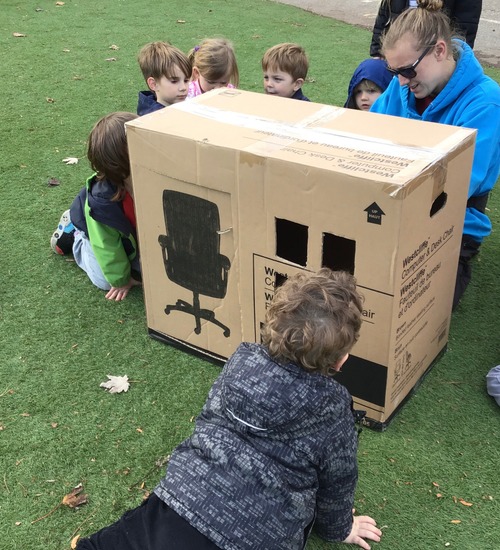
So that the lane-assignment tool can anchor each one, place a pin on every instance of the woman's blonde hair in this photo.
(314, 319)
(215, 59)
(427, 23)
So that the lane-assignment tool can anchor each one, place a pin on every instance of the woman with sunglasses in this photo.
(438, 79)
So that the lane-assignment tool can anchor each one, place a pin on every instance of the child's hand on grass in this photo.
(363, 527)
(120, 293)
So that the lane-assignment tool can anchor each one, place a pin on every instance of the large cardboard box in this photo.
(235, 191)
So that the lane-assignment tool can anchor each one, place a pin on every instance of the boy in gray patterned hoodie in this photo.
(273, 453)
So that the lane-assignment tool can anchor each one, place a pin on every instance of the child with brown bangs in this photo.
(285, 69)
(167, 71)
(273, 452)
(100, 227)
(214, 66)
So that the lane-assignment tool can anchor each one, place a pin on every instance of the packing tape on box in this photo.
(359, 156)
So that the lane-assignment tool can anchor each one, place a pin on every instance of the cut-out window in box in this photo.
(438, 204)
(291, 241)
(338, 253)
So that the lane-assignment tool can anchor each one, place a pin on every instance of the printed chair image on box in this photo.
(191, 253)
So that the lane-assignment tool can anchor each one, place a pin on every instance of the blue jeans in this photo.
(85, 258)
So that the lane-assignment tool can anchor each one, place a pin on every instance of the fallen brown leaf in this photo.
(74, 498)
(114, 47)
(59, 3)
(464, 502)
(435, 484)
(54, 424)
(439, 495)
(18, 35)
(74, 542)
(455, 521)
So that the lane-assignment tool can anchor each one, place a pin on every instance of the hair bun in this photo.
(431, 5)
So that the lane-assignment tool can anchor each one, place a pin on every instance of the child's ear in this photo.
(340, 362)
(151, 82)
(298, 84)
(196, 74)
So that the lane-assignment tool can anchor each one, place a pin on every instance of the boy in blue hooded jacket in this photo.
(369, 81)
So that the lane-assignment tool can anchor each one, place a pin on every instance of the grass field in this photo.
(60, 337)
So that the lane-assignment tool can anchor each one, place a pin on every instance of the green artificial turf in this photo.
(60, 337)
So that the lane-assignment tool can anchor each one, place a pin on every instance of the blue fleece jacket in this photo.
(147, 103)
(300, 95)
(374, 70)
(472, 100)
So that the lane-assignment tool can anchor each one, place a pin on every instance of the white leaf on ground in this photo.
(70, 160)
(116, 384)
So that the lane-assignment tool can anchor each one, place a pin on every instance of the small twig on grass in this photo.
(83, 523)
(158, 464)
(48, 514)
(5, 392)
(5, 483)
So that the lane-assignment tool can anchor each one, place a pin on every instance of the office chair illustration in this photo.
(191, 253)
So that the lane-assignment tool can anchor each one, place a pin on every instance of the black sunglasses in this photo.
(409, 72)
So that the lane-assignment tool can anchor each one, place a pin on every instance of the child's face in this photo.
(365, 96)
(207, 85)
(280, 83)
(170, 90)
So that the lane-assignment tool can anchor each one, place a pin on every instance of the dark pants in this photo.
(469, 249)
(151, 526)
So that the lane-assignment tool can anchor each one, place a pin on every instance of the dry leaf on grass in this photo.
(116, 384)
(18, 35)
(464, 502)
(59, 3)
(75, 498)
(114, 47)
(180, 21)
(111, 59)
(74, 542)
(72, 500)
(455, 521)
(70, 160)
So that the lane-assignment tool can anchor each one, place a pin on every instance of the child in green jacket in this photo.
(100, 228)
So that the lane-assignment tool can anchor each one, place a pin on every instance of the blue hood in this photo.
(369, 69)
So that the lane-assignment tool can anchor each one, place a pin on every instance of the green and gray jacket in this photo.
(111, 235)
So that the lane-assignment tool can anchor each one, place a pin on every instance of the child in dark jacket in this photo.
(100, 228)
(273, 453)
(369, 81)
(285, 69)
(167, 71)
